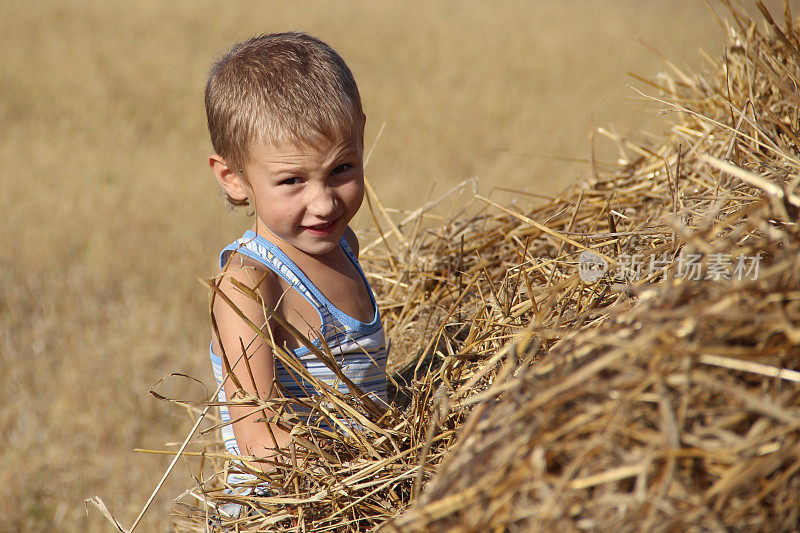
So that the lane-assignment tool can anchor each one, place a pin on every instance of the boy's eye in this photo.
(342, 168)
(289, 181)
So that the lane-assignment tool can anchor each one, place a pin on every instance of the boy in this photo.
(287, 127)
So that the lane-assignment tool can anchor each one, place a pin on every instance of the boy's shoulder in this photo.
(243, 277)
(352, 240)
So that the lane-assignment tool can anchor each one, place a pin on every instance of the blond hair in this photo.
(278, 89)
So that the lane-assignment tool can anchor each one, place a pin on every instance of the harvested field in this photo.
(624, 356)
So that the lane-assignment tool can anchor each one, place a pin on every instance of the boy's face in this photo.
(306, 196)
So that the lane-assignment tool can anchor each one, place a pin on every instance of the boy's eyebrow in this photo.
(288, 170)
(348, 150)
(294, 168)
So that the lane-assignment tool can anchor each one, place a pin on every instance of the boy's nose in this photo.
(324, 203)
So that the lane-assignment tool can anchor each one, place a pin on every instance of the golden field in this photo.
(109, 215)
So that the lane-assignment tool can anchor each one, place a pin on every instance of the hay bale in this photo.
(681, 413)
(679, 407)
(664, 394)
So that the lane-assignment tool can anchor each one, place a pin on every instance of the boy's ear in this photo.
(229, 179)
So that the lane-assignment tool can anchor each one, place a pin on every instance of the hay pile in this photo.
(624, 356)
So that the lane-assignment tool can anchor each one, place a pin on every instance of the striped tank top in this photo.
(359, 347)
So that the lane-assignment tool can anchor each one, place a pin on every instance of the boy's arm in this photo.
(252, 438)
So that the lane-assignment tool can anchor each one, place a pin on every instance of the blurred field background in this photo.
(109, 215)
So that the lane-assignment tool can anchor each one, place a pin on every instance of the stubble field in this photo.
(108, 214)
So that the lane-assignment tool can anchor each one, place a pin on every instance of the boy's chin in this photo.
(318, 249)
(307, 244)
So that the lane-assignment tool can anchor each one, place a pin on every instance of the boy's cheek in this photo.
(358, 195)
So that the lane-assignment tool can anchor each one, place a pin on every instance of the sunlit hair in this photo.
(280, 89)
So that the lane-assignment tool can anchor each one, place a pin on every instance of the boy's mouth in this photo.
(322, 229)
